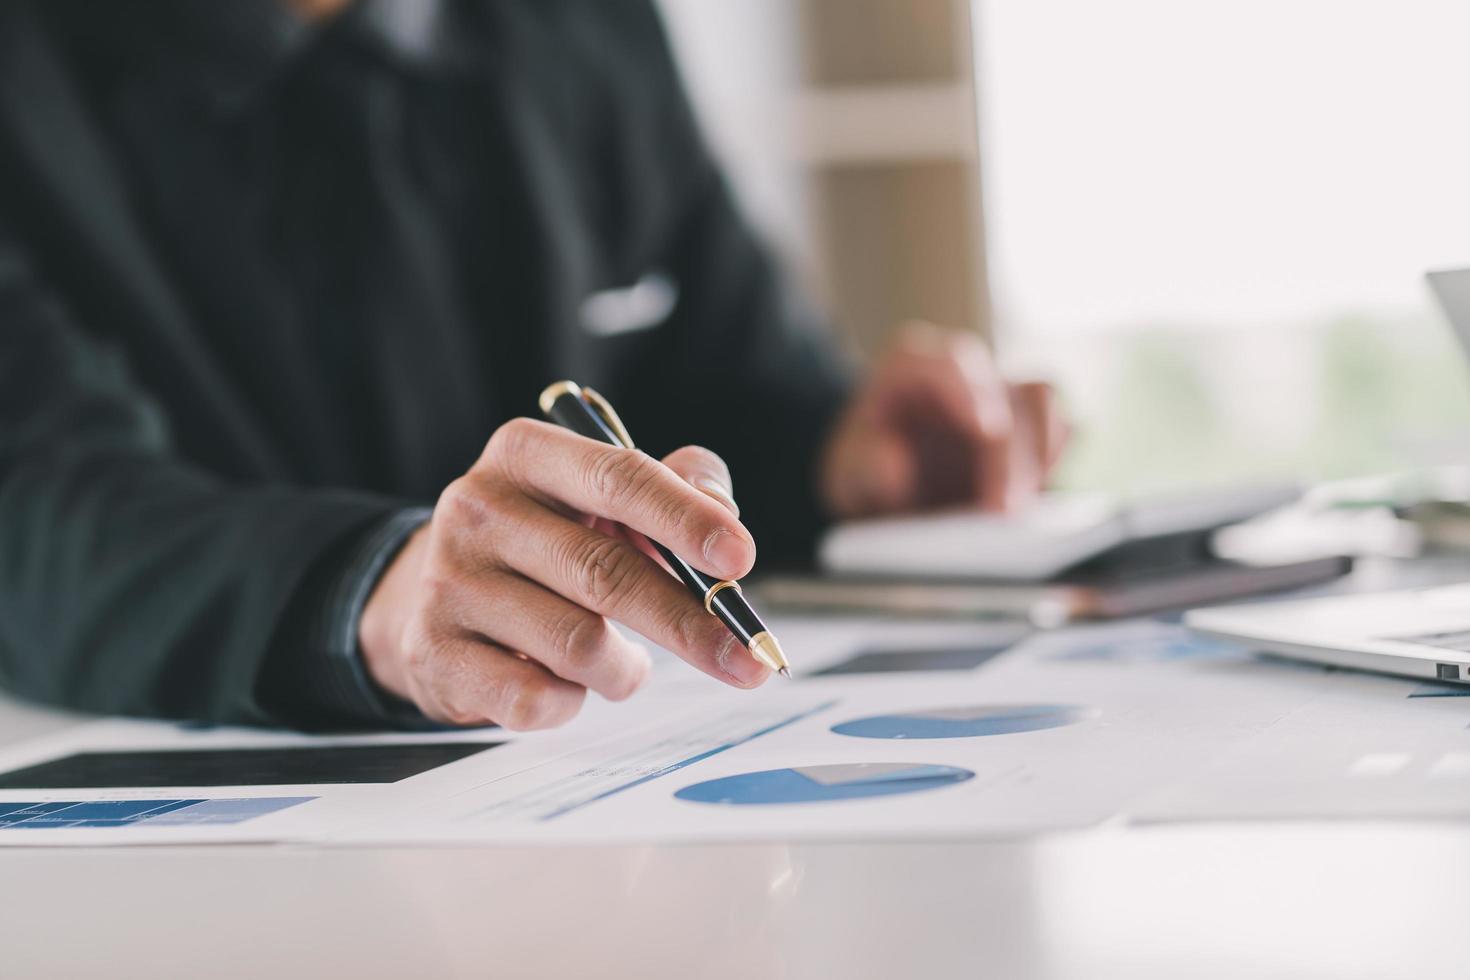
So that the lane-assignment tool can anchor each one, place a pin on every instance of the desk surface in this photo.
(1308, 900)
(1303, 899)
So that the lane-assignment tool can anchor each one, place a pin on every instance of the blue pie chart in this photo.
(966, 721)
(824, 784)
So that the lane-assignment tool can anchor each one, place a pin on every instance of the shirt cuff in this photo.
(337, 675)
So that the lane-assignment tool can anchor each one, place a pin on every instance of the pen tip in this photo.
(785, 672)
(763, 647)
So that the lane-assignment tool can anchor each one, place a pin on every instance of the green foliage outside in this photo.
(1356, 395)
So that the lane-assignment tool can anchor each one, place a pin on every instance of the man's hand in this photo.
(498, 609)
(934, 425)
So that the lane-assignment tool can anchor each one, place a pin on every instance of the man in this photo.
(270, 278)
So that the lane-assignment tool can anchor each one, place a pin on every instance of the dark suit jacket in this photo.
(158, 532)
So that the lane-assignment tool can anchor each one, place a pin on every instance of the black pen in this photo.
(587, 413)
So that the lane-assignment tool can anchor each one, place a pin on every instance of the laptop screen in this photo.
(1452, 287)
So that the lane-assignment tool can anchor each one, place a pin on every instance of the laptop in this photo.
(1418, 633)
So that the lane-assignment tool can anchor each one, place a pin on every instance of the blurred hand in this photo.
(498, 609)
(935, 424)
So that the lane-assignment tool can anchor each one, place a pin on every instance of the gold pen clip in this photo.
(601, 407)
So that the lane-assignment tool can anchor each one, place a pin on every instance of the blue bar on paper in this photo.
(127, 813)
(228, 811)
(29, 811)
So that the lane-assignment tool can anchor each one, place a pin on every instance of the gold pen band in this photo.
(554, 391)
(714, 590)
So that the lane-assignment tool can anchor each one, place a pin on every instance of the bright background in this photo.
(1208, 222)
(1211, 221)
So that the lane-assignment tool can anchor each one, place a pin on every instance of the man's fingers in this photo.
(465, 681)
(961, 381)
(1030, 408)
(706, 472)
(887, 479)
(612, 578)
(1054, 425)
(1042, 431)
(626, 486)
(575, 644)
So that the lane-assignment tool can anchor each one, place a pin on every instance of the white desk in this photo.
(1308, 899)
(1338, 902)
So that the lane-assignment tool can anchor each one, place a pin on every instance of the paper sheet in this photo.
(1350, 752)
(1065, 730)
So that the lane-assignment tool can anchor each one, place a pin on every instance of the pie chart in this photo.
(965, 721)
(824, 784)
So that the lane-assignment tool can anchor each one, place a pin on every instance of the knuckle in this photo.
(638, 482)
(671, 507)
(527, 706)
(458, 713)
(421, 651)
(678, 521)
(439, 682)
(419, 694)
(602, 569)
(583, 639)
(511, 440)
(437, 595)
(693, 628)
(464, 502)
(617, 473)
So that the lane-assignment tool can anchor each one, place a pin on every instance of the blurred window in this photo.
(1210, 222)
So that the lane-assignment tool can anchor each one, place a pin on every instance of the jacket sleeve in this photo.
(757, 376)
(130, 581)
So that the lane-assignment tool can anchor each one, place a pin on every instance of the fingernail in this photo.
(726, 553)
(736, 661)
(719, 491)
